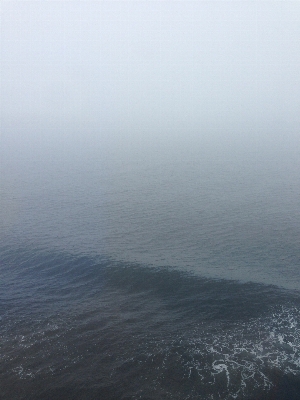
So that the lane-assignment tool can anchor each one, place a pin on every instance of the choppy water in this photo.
(163, 275)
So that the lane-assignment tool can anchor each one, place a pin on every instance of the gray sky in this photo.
(148, 69)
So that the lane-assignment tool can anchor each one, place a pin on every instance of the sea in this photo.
(159, 269)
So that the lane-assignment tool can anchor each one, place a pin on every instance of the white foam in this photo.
(245, 354)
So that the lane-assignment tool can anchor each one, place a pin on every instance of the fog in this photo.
(164, 133)
(135, 73)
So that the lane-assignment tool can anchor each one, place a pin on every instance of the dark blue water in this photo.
(167, 273)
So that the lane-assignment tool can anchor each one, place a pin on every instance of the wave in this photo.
(94, 327)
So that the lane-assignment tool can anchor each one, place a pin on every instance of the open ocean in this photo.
(159, 273)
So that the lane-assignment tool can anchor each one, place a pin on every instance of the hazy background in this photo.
(147, 72)
(154, 132)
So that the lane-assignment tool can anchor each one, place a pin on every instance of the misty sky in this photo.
(144, 69)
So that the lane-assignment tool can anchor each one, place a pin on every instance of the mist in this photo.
(139, 73)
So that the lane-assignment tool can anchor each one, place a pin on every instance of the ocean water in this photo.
(150, 272)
